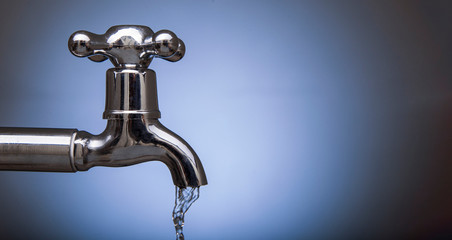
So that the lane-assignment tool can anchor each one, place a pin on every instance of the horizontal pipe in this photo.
(37, 149)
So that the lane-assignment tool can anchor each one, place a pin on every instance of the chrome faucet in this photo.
(133, 133)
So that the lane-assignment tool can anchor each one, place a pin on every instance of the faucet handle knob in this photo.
(127, 46)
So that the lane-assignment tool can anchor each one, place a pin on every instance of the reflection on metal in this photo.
(133, 133)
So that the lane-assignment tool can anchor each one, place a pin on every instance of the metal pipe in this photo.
(35, 149)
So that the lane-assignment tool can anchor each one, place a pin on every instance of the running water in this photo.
(185, 197)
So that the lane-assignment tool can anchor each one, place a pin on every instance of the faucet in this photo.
(133, 133)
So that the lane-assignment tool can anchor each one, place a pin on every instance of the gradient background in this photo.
(313, 120)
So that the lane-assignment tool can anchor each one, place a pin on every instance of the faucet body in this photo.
(133, 135)
(130, 140)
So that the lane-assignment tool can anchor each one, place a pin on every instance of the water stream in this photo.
(185, 197)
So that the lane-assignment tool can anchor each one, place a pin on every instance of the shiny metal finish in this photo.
(129, 140)
(133, 133)
(127, 46)
(35, 149)
(131, 91)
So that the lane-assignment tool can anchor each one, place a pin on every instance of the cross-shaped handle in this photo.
(127, 46)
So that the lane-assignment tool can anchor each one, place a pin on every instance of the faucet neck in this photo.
(131, 92)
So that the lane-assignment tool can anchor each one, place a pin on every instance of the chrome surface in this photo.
(35, 149)
(132, 139)
(127, 46)
(131, 91)
(133, 133)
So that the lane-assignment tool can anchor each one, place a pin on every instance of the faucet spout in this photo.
(129, 140)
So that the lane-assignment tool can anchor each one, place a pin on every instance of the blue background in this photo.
(313, 119)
